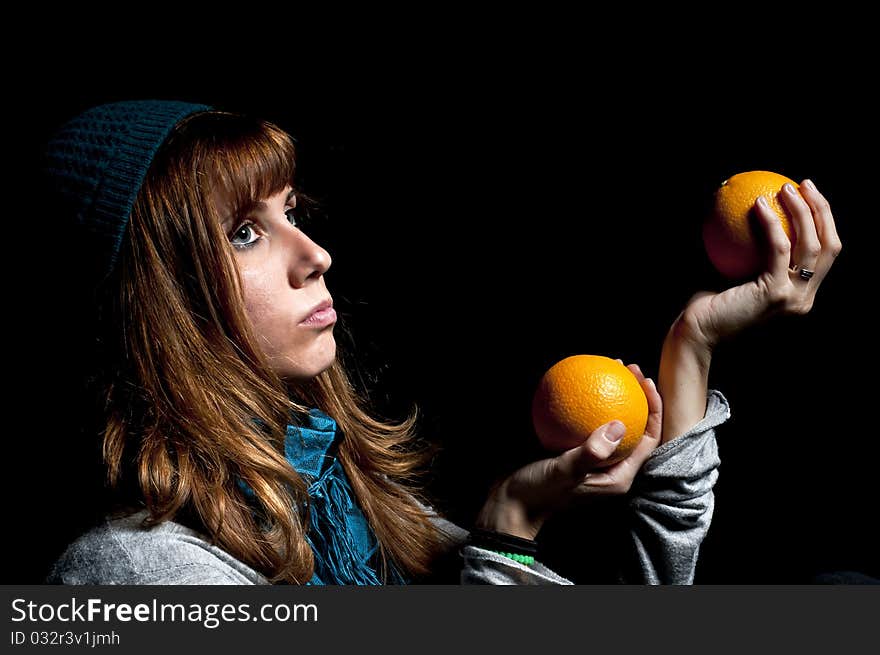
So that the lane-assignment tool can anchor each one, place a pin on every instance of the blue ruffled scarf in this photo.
(340, 537)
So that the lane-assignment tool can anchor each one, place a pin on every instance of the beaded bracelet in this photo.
(510, 546)
(528, 560)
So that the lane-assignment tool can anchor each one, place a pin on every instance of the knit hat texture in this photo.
(95, 164)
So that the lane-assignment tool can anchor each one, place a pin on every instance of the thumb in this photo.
(590, 455)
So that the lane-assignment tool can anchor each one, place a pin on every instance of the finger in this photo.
(654, 427)
(825, 227)
(779, 245)
(573, 464)
(612, 479)
(606, 482)
(805, 253)
(655, 402)
(650, 440)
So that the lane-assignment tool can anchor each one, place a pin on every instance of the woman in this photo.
(237, 449)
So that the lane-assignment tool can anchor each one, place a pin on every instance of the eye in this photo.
(244, 228)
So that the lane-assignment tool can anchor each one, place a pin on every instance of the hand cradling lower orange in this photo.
(583, 392)
(730, 237)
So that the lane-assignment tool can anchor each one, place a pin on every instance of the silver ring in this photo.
(804, 273)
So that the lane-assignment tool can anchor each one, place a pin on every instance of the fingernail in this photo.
(809, 184)
(650, 381)
(790, 189)
(619, 360)
(614, 432)
(762, 201)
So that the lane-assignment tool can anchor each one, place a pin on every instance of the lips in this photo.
(325, 304)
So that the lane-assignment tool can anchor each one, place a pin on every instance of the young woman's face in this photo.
(282, 272)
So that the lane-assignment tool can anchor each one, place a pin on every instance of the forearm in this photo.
(683, 379)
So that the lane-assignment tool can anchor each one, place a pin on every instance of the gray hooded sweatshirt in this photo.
(671, 506)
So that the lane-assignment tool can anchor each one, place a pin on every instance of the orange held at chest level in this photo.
(583, 392)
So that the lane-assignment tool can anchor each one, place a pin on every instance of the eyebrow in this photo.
(258, 207)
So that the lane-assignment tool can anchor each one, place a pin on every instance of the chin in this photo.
(313, 365)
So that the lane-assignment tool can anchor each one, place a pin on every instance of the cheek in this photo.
(261, 301)
(267, 303)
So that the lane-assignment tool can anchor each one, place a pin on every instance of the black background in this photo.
(489, 217)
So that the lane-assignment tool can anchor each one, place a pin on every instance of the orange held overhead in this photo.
(730, 237)
(583, 392)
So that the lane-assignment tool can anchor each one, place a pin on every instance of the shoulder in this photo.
(121, 551)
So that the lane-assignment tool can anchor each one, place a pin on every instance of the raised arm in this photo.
(672, 498)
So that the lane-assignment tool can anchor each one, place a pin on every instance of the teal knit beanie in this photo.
(94, 166)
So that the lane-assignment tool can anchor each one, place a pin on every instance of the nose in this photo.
(307, 259)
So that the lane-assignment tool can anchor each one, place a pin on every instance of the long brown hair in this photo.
(182, 378)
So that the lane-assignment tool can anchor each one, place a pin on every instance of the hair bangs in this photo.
(250, 160)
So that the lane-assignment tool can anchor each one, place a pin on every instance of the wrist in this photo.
(516, 548)
(504, 513)
(687, 333)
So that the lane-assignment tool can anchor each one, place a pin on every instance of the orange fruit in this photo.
(579, 394)
(730, 237)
